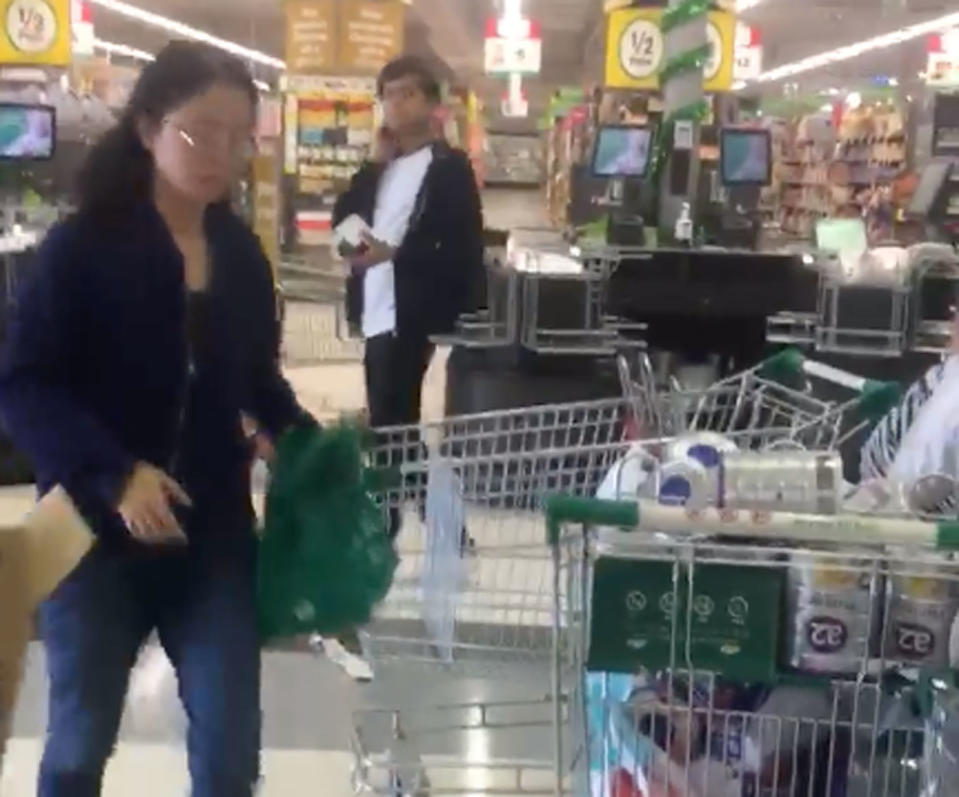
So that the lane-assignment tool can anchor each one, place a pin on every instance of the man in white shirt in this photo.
(422, 261)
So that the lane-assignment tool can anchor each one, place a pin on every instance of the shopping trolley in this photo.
(780, 399)
(486, 607)
(747, 652)
(477, 602)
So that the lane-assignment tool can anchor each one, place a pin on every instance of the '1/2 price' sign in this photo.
(635, 49)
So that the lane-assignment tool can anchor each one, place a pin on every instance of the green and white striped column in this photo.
(687, 51)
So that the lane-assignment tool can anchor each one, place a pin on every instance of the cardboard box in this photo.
(34, 558)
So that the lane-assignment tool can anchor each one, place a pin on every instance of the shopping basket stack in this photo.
(476, 585)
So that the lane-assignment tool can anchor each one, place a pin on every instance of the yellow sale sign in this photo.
(35, 32)
(636, 49)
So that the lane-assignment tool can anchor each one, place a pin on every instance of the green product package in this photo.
(733, 629)
(325, 559)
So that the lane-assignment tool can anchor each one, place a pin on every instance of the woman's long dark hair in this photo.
(118, 172)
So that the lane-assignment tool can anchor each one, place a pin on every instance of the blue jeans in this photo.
(203, 609)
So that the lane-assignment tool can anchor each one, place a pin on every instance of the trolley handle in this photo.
(561, 509)
(842, 529)
(876, 397)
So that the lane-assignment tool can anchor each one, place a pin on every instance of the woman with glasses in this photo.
(146, 333)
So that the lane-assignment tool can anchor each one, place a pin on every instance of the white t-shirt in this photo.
(395, 200)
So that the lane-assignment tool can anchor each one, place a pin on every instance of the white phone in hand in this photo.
(349, 236)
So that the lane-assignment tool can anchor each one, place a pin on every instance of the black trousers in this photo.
(395, 367)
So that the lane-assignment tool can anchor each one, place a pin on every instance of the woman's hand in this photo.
(261, 443)
(147, 506)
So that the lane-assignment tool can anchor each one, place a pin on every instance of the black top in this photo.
(197, 325)
(95, 372)
(440, 260)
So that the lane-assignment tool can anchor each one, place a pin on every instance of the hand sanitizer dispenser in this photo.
(684, 226)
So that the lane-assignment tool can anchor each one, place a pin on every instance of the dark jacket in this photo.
(94, 375)
(441, 258)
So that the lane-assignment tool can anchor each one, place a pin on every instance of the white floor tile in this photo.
(160, 771)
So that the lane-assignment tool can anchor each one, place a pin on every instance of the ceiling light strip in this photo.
(113, 48)
(125, 50)
(856, 49)
(186, 31)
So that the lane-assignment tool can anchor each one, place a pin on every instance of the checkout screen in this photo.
(26, 132)
(745, 156)
(622, 151)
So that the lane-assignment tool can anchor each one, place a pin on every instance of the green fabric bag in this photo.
(325, 559)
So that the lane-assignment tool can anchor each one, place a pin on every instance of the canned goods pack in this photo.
(706, 469)
(833, 614)
(921, 609)
(782, 481)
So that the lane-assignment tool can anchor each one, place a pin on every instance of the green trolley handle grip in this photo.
(562, 509)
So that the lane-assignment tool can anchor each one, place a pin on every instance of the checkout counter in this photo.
(559, 311)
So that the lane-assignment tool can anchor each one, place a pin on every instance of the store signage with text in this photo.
(310, 35)
(749, 53)
(636, 51)
(83, 33)
(513, 47)
(370, 34)
(942, 65)
(354, 36)
(36, 32)
(515, 107)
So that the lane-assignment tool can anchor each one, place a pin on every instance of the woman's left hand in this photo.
(261, 443)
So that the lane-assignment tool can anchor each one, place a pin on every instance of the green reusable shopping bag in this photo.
(325, 558)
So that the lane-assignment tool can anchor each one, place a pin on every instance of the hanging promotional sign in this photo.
(310, 36)
(35, 32)
(351, 36)
(942, 64)
(748, 63)
(636, 49)
(513, 47)
(83, 34)
(370, 34)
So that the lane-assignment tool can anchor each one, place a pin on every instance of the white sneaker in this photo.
(354, 665)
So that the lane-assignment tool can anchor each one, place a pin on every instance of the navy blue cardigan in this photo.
(94, 373)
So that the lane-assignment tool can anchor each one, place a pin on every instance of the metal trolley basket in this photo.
(486, 608)
(748, 653)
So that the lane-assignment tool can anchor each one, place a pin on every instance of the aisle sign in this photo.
(942, 66)
(83, 35)
(636, 50)
(513, 47)
(36, 32)
(370, 34)
(749, 53)
(310, 36)
(508, 56)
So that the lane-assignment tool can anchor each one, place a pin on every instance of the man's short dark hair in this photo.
(410, 66)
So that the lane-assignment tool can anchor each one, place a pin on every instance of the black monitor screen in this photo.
(931, 181)
(27, 132)
(745, 156)
(622, 151)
